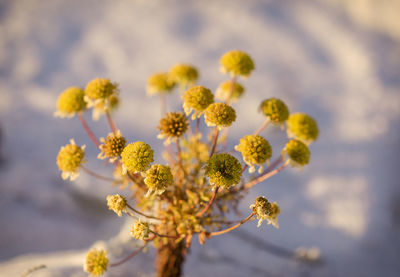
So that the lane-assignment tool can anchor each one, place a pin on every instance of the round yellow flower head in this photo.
(136, 157)
(112, 146)
(220, 115)
(100, 88)
(184, 74)
(140, 230)
(237, 62)
(197, 99)
(229, 92)
(302, 127)
(160, 83)
(173, 125)
(255, 150)
(116, 203)
(158, 178)
(275, 110)
(70, 102)
(224, 170)
(69, 159)
(96, 262)
(298, 153)
(264, 210)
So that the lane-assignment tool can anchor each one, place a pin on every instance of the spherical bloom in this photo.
(228, 91)
(220, 115)
(69, 159)
(140, 230)
(116, 203)
(158, 178)
(172, 126)
(100, 88)
(264, 210)
(136, 157)
(184, 74)
(255, 150)
(160, 83)
(298, 153)
(96, 262)
(70, 102)
(197, 99)
(302, 127)
(112, 146)
(236, 62)
(224, 170)
(275, 110)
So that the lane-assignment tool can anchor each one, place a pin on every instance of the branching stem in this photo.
(142, 214)
(213, 234)
(202, 212)
(265, 176)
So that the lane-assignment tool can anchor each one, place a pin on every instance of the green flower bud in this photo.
(158, 178)
(229, 92)
(275, 110)
(198, 99)
(69, 159)
(236, 62)
(70, 102)
(255, 150)
(96, 262)
(136, 157)
(298, 153)
(159, 83)
(116, 203)
(224, 170)
(100, 88)
(140, 230)
(184, 74)
(220, 115)
(264, 210)
(173, 125)
(112, 146)
(302, 127)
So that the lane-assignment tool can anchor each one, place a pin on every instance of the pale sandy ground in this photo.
(336, 60)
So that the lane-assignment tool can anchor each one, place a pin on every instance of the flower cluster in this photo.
(298, 153)
(197, 99)
(160, 83)
(220, 115)
(158, 178)
(255, 150)
(302, 127)
(224, 170)
(237, 62)
(102, 95)
(96, 262)
(137, 157)
(116, 203)
(173, 126)
(112, 146)
(275, 110)
(264, 210)
(140, 230)
(69, 160)
(184, 74)
(70, 102)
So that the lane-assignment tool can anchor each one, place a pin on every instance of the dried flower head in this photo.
(140, 230)
(112, 146)
(237, 62)
(298, 153)
(302, 127)
(220, 115)
(69, 160)
(160, 83)
(100, 88)
(70, 102)
(116, 203)
(172, 126)
(264, 210)
(228, 91)
(275, 110)
(96, 262)
(184, 74)
(158, 178)
(224, 170)
(197, 99)
(255, 150)
(136, 157)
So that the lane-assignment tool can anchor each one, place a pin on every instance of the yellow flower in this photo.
(184, 74)
(96, 262)
(237, 62)
(117, 203)
(298, 153)
(197, 99)
(220, 115)
(229, 92)
(160, 83)
(69, 159)
(112, 146)
(70, 102)
(302, 127)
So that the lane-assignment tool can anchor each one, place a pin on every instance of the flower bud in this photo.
(140, 230)
(255, 150)
(275, 110)
(197, 99)
(173, 125)
(137, 157)
(302, 127)
(96, 262)
(116, 203)
(236, 62)
(220, 115)
(69, 159)
(224, 170)
(158, 178)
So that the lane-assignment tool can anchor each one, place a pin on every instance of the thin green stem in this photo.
(213, 234)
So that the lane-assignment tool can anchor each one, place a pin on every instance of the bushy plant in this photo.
(200, 182)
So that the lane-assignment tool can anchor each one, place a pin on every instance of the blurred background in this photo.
(337, 60)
